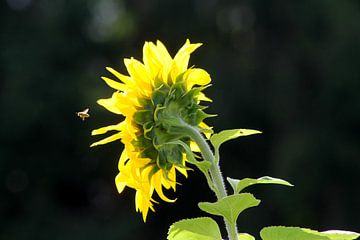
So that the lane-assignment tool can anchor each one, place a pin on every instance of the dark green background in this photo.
(288, 68)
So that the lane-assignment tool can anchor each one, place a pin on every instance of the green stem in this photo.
(215, 174)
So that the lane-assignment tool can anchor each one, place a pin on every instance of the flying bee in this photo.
(83, 114)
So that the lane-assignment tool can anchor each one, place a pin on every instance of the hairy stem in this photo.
(215, 174)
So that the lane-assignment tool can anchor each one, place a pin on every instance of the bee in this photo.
(83, 114)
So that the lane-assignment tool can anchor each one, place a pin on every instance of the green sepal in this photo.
(239, 185)
(297, 233)
(163, 159)
(141, 143)
(203, 107)
(174, 154)
(149, 152)
(231, 206)
(191, 95)
(145, 104)
(203, 228)
(199, 116)
(176, 91)
(226, 135)
(159, 95)
(167, 132)
(143, 116)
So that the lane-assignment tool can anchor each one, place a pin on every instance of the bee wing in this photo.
(83, 114)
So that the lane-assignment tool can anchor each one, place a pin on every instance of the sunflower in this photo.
(156, 98)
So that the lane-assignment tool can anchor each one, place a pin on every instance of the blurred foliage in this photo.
(288, 68)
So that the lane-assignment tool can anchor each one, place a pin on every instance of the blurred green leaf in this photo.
(297, 233)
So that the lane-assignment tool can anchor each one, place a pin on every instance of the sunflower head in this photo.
(157, 99)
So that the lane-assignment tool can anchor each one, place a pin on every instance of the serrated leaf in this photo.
(231, 206)
(245, 236)
(297, 233)
(239, 185)
(203, 228)
(226, 135)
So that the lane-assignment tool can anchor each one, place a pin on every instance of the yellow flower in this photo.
(157, 97)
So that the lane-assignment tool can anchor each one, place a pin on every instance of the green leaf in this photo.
(245, 236)
(226, 135)
(297, 233)
(203, 228)
(340, 235)
(203, 165)
(239, 185)
(231, 206)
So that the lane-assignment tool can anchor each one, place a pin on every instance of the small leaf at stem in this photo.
(226, 135)
(239, 185)
(297, 233)
(231, 206)
(203, 228)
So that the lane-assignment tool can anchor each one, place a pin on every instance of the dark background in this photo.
(288, 68)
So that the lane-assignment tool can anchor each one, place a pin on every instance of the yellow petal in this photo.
(119, 184)
(166, 61)
(183, 55)
(196, 76)
(183, 171)
(205, 126)
(174, 73)
(171, 178)
(122, 160)
(103, 130)
(114, 84)
(165, 56)
(152, 59)
(156, 180)
(142, 204)
(107, 140)
(145, 210)
(143, 201)
(110, 104)
(194, 147)
(118, 104)
(125, 177)
(125, 79)
(139, 74)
